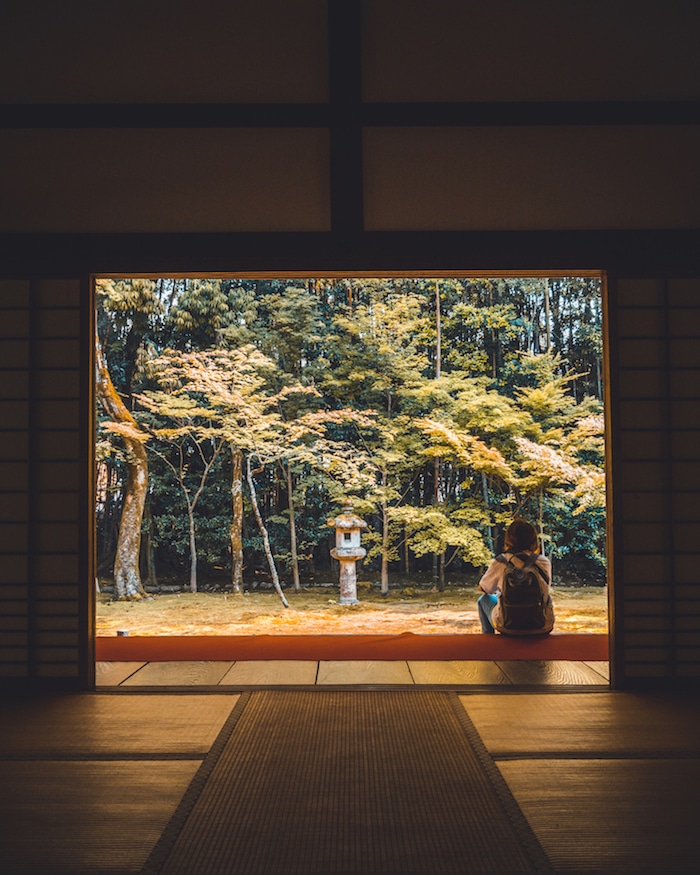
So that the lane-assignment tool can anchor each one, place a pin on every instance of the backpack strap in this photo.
(531, 561)
(528, 559)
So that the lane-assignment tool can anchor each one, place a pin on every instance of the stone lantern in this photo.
(348, 550)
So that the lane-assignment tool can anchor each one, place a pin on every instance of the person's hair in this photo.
(521, 535)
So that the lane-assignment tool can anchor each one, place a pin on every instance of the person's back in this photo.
(516, 587)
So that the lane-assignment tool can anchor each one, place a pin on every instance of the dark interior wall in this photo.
(434, 135)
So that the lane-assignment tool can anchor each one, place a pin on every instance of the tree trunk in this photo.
(438, 370)
(127, 577)
(191, 503)
(494, 339)
(547, 317)
(263, 532)
(385, 550)
(487, 505)
(236, 519)
(193, 549)
(292, 530)
(438, 332)
(436, 501)
(151, 576)
(384, 577)
(555, 310)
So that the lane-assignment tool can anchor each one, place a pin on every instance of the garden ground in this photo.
(315, 611)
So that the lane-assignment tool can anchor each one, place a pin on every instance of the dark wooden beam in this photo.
(629, 253)
(346, 110)
(345, 99)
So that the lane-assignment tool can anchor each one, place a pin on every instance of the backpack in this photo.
(523, 599)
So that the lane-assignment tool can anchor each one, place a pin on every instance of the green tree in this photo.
(351, 367)
(129, 317)
(199, 314)
(233, 390)
(126, 320)
(377, 366)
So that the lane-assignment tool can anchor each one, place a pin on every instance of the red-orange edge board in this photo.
(343, 647)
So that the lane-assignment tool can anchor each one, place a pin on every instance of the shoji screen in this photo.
(658, 477)
(43, 545)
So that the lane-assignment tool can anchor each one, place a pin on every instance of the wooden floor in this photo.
(257, 673)
(93, 783)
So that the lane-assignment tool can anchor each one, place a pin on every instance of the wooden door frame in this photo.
(89, 611)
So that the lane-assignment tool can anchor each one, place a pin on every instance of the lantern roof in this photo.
(347, 519)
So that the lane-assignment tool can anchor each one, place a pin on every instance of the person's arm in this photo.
(491, 581)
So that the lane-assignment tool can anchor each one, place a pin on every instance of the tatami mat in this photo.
(86, 817)
(570, 723)
(325, 780)
(352, 782)
(126, 724)
(604, 816)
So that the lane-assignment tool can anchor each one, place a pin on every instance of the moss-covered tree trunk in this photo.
(127, 577)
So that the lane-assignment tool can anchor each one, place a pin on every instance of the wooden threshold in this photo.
(406, 646)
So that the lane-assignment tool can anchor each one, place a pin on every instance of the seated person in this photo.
(517, 602)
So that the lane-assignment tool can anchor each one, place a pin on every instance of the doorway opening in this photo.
(235, 416)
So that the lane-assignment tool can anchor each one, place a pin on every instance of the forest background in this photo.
(235, 415)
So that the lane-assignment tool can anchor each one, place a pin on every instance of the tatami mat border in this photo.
(522, 828)
(169, 835)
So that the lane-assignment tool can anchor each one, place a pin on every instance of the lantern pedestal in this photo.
(348, 573)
